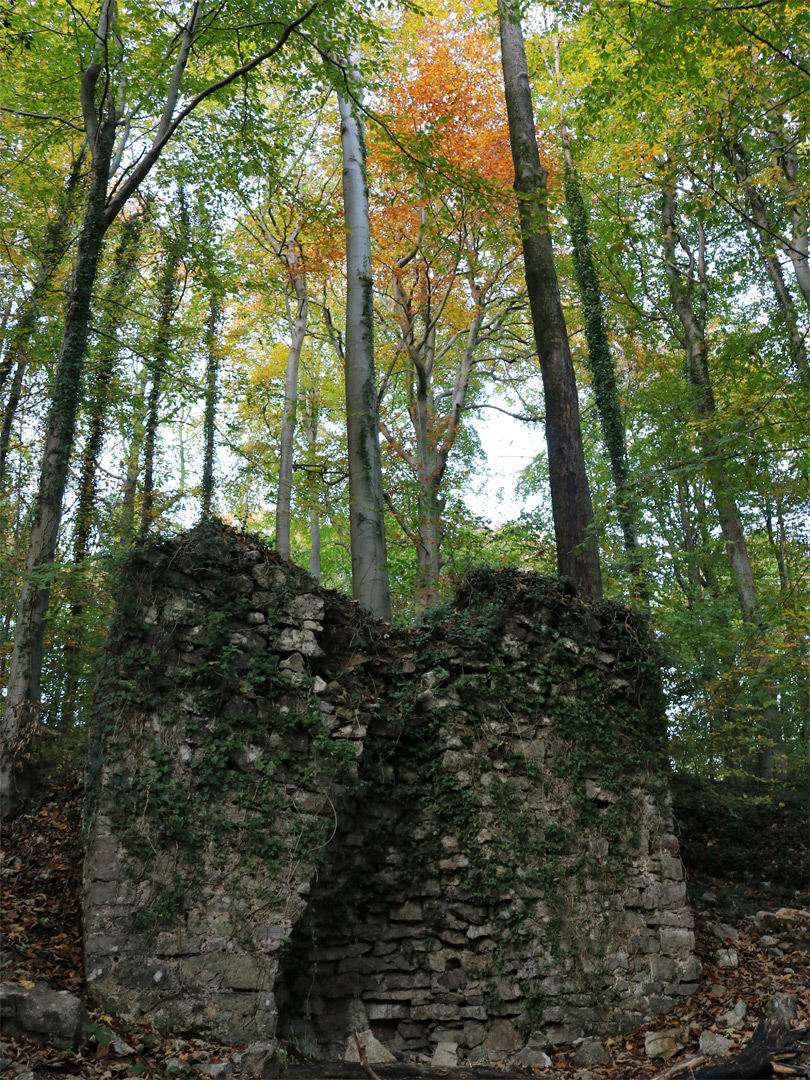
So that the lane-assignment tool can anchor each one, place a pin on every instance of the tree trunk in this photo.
(577, 547)
(10, 411)
(600, 360)
(697, 368)
(123, 268)
(127, 523)
(168, 305)
(311, 432)
(366, 510)
(767, 243)
(797, 249)
(16, 356)
(212, 370)
(23, 697)
(297, 330)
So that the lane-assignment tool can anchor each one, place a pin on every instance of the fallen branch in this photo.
(682, 1067)
(764, 1055)
(364, 1065)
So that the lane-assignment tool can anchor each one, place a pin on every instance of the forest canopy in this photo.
(271, 263)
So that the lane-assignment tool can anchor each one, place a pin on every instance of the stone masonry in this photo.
(301, 822)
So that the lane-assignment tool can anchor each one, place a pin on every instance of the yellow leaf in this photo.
(27, 984)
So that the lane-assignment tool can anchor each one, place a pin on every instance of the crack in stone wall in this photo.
(456, 833)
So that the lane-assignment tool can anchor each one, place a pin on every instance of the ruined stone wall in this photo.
(455, 833)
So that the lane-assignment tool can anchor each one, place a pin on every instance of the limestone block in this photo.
(591, 1052)
(376, 1053)
(735, 1016)
(532, 1059)
(727, 958)
(260, 1060)
(784, 1005)
(503, 1039)
(307, 606)
(677, 942)
(712, 1044)
(42, 1015)
(664, 1044)
(445, 1055)
(302, 641)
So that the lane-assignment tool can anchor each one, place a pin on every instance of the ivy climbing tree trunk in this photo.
(102, 376)
(129, 488)
(600, 359)
(577, 547)
(366, 508)
(21, 711)
(16, 355)
(102, 88)
(211, 373)
(123, 268)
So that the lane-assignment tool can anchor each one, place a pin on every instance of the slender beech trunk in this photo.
(577, 547)
(693, 322)
(23, 696)
(167, 299)
(697, 370)
(366, 506)
(127, 523)
(10, 411)
(797, 249)
(16, 354)
(311, 433)
(777, 541)
(689, 542)
(767, 243)
(211, 373)
(123, 268)
(435, 433)
(297, 331)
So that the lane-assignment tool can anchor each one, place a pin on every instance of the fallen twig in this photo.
(364, 1065)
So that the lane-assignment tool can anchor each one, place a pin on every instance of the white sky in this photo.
(510, 445)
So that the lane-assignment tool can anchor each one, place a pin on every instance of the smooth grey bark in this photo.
(577, 546)
(297, 332)
(797, 248)
(311, 434)
(370, 585)
(211, 373)
(130, 485)
(167, 299)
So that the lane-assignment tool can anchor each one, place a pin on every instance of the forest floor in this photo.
(40, 877)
